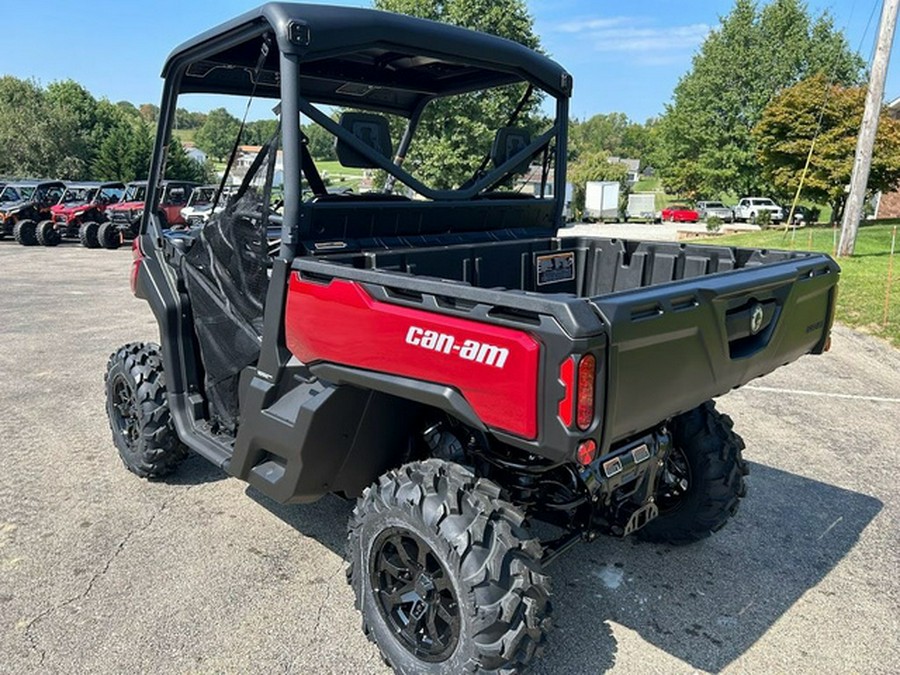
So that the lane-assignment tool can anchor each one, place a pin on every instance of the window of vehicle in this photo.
(48, 195)
(135, 193)
(714, 205)
(9, 194)
(762, 202)
(177, 194)
(78, 195)
(111, 195)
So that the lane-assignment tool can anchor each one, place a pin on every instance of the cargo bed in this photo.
(682, 323)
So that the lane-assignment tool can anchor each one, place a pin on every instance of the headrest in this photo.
(371, 130)
(508, 142)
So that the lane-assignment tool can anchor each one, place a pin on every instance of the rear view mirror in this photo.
(509, 142)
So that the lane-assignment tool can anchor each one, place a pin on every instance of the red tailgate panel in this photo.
(494, 368)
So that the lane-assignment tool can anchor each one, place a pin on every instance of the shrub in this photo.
(714, 224)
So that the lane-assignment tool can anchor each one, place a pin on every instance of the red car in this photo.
(678, 213)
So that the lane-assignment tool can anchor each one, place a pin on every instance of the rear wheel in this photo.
(108, 236)
(138, 411)
(446, 574)
(47, 234)
(25, 232)
(703, 480)
(87, 234)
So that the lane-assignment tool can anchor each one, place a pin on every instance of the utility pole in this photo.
(866, 141)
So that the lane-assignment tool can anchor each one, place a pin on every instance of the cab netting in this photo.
(226, 273)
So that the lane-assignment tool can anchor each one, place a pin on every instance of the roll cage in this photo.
(312, 55)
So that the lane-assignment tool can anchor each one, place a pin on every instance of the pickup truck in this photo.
(749, 208)
(441, 355)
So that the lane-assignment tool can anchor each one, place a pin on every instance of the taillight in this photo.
(587, 452)
(584, 402)
(566, 409)
(137, 256)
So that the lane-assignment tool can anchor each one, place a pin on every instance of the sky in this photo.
(624, 56)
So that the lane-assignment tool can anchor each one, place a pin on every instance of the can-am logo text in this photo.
(468, 350)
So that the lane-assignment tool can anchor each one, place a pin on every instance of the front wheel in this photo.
(446, 574)
(702, 482)
(25, 233)
(47, 234)
(87, 234)
(138, 409)
(108, 236)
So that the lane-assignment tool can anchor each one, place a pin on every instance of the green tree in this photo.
(455, 133)
(179, 166)
(592, 166)
(25, 144)
(613, 133)
(216, 136)
(705, 143)
(321, 143)
(785, 134)
(124, 154)
(259, 131)
(71, 114)
(149, 112)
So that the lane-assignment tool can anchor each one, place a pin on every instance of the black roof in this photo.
(358, 58)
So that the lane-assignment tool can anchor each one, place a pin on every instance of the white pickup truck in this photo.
(750, 207)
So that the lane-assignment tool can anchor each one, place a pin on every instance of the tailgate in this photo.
(676, 345)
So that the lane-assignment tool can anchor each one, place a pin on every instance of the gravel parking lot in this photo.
(102, 572)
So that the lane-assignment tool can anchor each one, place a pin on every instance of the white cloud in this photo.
(591, 24)
(637, 37)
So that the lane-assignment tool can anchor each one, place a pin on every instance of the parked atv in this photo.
(124, 218)
(199, 207)
(446, 359)
(20, 218)
(79, 213)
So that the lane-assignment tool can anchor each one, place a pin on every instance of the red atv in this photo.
(79, 213)
(124, 218)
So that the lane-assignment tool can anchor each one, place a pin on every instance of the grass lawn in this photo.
(184, 134)
(863, 282)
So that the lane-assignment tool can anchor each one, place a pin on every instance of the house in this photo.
(887, 204)
(244, 159)
(195, 153)
(632, 166)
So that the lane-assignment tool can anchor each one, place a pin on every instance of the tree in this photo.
(179, 166)
(259, 131)
(216, 136)
(321, 143)
(787, 128)
(125, 152)
(705, 141)
(25, 147)
(613, 133)
(149, 113)
(71, 114)
(455, 133)
(592, 166)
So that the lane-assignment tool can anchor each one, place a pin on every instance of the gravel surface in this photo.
(102, 572)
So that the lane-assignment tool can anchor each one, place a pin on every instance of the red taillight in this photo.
(137, 255)
(587, 452)
(567, 405)
(587, 373)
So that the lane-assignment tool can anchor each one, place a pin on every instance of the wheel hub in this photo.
(415, 595)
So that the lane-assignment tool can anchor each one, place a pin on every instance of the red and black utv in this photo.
(20, 219)
(124, 218)
(79, 213)
(441, 355)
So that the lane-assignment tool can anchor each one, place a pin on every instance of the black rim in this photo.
(124, 409)
(674, 482)
(415, 595)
